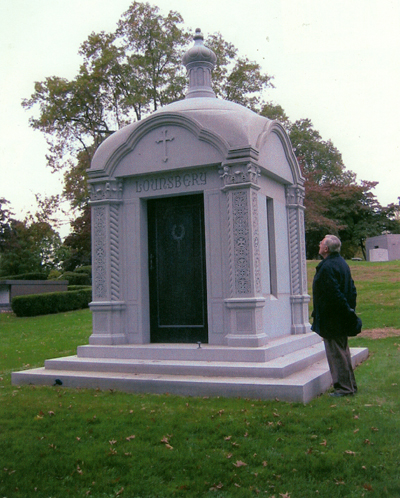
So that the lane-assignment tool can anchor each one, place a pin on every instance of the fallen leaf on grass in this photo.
(120, 492)
(229, 455)
(323, 443)
(214, 487)
(265, 463)
(237, 485)
(130, 437)
(356, 430)
(286, 495)
(239, 463)
(113, 441)
(165, 441)
(51, 413)
(228, 438)
(375, 429)
(339, 482)
(348, 452)
(368, 487)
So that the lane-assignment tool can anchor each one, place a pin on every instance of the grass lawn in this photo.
(58, 442)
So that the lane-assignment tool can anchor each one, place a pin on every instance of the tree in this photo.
(123, 77)
(133, 71)
(78, 242)
(335, 202)
(31, 245)
(5, 222)
(237, 78)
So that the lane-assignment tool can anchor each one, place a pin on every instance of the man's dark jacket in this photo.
(334, 296)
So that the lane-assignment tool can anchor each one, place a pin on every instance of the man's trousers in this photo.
(339, 361)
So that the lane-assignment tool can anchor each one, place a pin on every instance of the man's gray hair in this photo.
(333, 243)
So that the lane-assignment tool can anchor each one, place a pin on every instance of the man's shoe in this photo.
(337, 394)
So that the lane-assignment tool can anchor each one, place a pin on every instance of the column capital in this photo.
(295, 195)
(240, 175)
(110, 190)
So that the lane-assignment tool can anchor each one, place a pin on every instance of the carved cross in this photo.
(165, 140)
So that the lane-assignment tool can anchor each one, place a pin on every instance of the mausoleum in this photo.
(198, 225)
(199, 269)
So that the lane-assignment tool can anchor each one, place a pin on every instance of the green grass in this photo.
(58, 442)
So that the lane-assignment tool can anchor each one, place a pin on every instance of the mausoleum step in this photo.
(301, 386)
(277, 368)
(191, 352)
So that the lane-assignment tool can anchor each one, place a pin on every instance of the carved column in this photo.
(298, 269)
(107, 306)
(246, 301)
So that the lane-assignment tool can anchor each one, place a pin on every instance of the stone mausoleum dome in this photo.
(229, 126)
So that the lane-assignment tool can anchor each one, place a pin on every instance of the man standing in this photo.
(334, 296)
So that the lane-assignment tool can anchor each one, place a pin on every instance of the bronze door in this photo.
(177, 273)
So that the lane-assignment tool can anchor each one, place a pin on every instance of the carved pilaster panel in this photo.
(241, 242)
(298, 270)
(256, 243)
(99, 252)
(114, 252)
(294, 252)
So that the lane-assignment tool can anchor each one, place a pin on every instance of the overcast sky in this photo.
(336, 62)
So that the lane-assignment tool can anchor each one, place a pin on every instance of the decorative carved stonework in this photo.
(240, 173)
(164, 140)
(241, 249)
(99, 256)
(114, 252)
(294, 252)
(256, 242)
(298, 270)
(106, 191)
(295, 196)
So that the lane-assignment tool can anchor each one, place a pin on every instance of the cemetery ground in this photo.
(58, 442)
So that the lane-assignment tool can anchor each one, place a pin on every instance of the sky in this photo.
(335, 62)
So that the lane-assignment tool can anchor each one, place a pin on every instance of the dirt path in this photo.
(379, 333)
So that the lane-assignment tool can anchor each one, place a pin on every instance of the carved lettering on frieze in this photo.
(181, 181)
